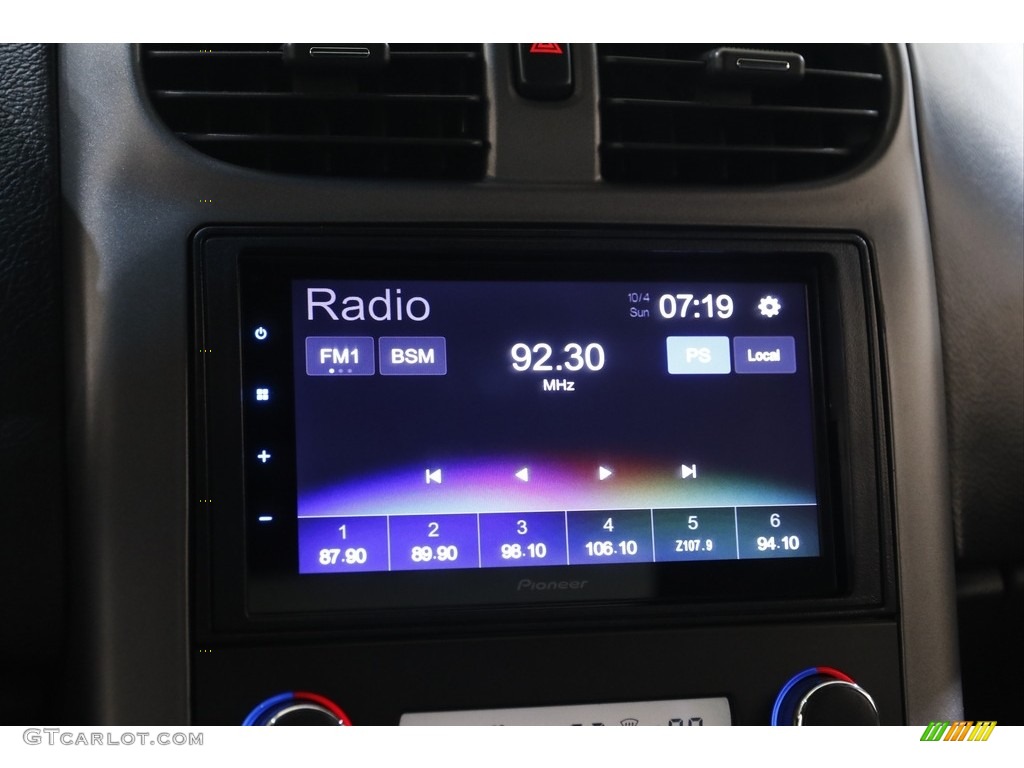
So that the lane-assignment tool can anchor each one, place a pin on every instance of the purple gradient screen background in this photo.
(363, 443)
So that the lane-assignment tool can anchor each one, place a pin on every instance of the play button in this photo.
(524, 474)
(603, 473)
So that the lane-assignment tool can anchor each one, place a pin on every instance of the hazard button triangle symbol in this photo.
(554, 48)
(543, 70)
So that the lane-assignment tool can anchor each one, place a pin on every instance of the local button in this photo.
(698, 354)
(764, 354)
(412, 356)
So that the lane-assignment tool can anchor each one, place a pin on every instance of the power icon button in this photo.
(260, 334)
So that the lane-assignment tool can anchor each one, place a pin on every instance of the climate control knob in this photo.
(297, 708)
(823, 696)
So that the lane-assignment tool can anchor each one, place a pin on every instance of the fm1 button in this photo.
(544, 71)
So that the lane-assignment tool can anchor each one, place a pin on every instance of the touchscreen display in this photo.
(494, 424)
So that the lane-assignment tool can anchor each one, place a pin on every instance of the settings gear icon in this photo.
(770, 306)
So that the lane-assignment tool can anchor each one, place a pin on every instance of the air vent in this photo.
(729, 114)
(409, 111)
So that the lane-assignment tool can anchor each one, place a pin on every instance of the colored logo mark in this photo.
(961, 730)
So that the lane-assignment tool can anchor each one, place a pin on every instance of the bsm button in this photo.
(413, 356)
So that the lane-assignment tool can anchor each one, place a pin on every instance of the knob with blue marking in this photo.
(823, 696)
(297, 708)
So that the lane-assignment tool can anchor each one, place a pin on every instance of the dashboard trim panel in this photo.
(134, 195)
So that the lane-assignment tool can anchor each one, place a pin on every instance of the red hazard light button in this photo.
(543, 70)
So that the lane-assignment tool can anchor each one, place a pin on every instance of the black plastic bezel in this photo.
(255, 577)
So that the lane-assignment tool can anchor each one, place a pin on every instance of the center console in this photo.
(594, 476)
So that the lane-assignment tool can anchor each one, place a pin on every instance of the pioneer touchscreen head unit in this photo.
(487, 422)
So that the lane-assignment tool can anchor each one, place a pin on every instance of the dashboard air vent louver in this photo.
(726, 114)
(413, 111)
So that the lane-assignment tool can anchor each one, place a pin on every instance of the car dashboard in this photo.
(534, 383)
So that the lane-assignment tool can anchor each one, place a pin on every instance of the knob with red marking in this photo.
(823, 696)
(297, 708)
